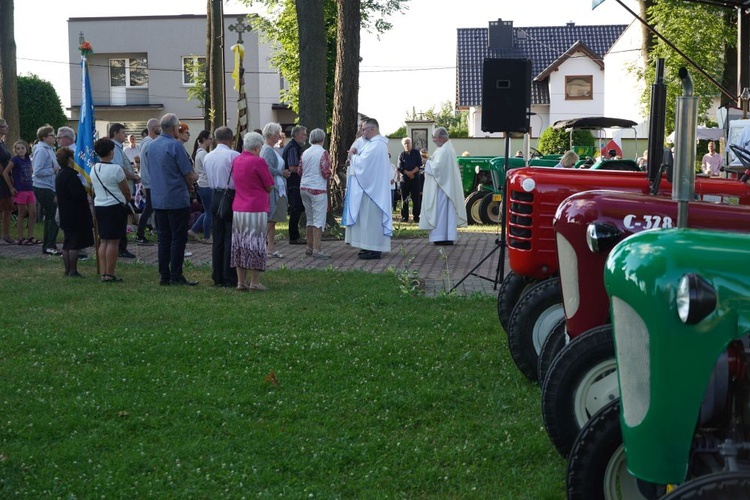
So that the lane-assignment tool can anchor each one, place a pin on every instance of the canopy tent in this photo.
(600, 123)
(593, 123)
(704, 134)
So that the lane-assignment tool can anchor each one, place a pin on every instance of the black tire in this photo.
(596, 466)
(552, 346)
(532, 320)
(511, 290)
(568, 392)
(472, 203)
(491, 211)
(733, 485)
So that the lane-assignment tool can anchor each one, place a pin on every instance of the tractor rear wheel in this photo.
(580, 381)
(597, 469)
(533, 319)
(472, 203)
(490, 210)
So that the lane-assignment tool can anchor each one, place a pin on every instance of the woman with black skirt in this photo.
(75, 214)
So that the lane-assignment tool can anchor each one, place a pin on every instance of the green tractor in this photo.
(681, 318)
(482, 177)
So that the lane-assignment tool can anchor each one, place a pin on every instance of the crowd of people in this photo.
(243, 195)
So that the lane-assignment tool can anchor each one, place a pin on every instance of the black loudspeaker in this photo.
(506, 95)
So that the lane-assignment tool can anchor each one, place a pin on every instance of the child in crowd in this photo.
(22, 190)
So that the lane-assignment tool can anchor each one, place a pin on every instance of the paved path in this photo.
(439, 267)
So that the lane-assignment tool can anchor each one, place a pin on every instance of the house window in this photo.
(128, 72)
(191, 67)
(579, 87)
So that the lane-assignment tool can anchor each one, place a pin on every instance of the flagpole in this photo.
(84, 158)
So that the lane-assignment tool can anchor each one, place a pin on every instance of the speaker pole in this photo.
(499, 242)
(500, 270)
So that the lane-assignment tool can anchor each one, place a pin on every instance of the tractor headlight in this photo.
(602, 237)
(696, 299)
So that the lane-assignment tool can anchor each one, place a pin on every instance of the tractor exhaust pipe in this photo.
(686, 125)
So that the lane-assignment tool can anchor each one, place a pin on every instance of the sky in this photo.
(410, 68)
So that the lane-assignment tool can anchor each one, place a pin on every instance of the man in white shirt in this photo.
(217, 165)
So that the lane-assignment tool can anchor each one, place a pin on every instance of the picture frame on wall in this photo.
(419, 138)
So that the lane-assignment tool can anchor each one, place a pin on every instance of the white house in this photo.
(576, 70)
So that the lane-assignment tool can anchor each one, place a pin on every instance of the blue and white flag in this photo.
(85, 158)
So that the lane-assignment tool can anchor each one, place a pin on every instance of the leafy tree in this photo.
(278, 25)
(554, 141)
(38, 104)
(455, 122)
(399, 133)
(684, 24)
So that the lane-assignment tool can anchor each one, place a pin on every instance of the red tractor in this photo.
(580, 377)
(530, 297)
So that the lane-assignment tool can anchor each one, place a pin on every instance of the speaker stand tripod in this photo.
(499, 242)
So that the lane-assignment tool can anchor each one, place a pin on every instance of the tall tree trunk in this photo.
(313, 63)
(216, 89)
(208, 106)
(8, 85)
(345, 97)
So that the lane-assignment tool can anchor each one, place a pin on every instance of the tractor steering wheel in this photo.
(743, 155)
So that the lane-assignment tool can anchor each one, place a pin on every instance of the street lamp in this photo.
(745, 96)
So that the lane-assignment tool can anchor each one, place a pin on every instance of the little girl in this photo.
(22, 190)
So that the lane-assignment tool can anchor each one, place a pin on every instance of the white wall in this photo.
(562, 109)
(623, 90)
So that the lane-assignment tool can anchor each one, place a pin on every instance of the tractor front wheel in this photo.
(551, 347)
(597, 469)
(533, 319)
(510, 292)
(733, 485)
(580, 381)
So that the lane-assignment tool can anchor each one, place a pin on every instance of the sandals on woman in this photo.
(32, 241)
(110, 278)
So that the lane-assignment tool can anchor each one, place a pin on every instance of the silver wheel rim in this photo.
(597, 388)
(491, 211)
(618, 482)
(545, 324)
(474, 211)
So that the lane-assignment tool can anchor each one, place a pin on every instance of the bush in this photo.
(38, 104)
(557, 141)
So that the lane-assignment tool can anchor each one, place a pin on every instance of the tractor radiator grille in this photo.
(568, 260)
(633, 361)
(521, 220)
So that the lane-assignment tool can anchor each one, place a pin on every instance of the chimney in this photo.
(570, 24)
(501, 34)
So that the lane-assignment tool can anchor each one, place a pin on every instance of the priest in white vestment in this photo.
(443, 207)
(368, 214)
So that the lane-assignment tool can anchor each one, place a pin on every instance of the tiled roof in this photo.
(543, 45)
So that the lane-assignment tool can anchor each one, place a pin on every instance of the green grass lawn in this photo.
(331, 385)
